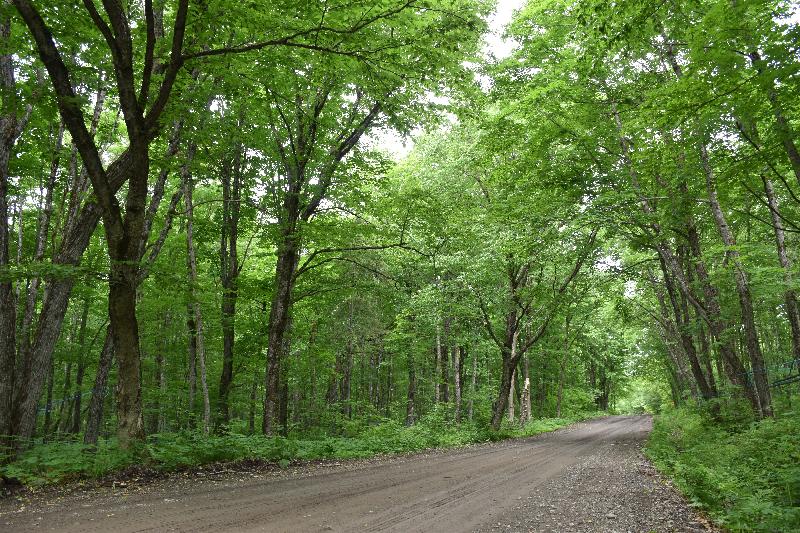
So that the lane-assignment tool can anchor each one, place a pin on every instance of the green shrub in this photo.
(744, 473)
(61, 461)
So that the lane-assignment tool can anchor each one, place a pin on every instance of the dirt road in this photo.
(590, 477)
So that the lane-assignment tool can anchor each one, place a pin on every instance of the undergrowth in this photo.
(745, 474)
(66, 461)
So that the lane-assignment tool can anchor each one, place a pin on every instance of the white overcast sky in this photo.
(495, 44)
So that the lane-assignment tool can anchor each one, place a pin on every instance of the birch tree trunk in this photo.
(525, 400)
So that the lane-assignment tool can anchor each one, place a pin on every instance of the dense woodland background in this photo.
(202, 232)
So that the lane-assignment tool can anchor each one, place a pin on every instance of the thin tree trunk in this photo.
(63, 421)
(94, 415)
(251, 418)
(346, 385)
(511, 395)
(438, 352)
(48, 404)
(41, 241)
(525, 400)
(76, 404)
(411, 415)
(681, 313)
(158, 412)
(191, 363)
(473, 385)
(76, 407)
(705, 350)
(562, 368)
(229, 273)
(789, 296)
(191, 258)
(444, 359)
(457, 382)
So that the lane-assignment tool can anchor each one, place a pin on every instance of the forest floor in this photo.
(589, 477)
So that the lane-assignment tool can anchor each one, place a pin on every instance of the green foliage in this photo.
(63, 461)
(643, 396)
(744, 474)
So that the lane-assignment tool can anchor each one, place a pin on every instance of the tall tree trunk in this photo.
(229, 273)
(411, 414)
(346, 383)
(457, 381)
(735, 370)
(9, 132)
(37, 356)
(473, 385)
(525, 400)
(42, 234)
(681, 313)
(742, 288)
(76, 407)
(789, 296)
(157, 416)
(285, 269)
(251, 417)
(444, 369)
(511, 396)
(123, 229)
(191, 360)
(705, 350)
(77, 397)
(562, 367)
(48, 404)
(191, 265)
(63, 421)
(436, 369)
(389, 387)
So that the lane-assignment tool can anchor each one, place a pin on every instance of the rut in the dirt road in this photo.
(589, 477)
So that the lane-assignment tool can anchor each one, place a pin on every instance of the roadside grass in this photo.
(744, 473)
(64, 461)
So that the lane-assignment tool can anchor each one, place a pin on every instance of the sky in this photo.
(495, 44)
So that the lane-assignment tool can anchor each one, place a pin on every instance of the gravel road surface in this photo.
(590, 477)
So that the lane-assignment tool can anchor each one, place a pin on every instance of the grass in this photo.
(59, 462)
(745, 474)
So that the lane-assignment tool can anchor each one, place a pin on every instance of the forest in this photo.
(293, 230)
